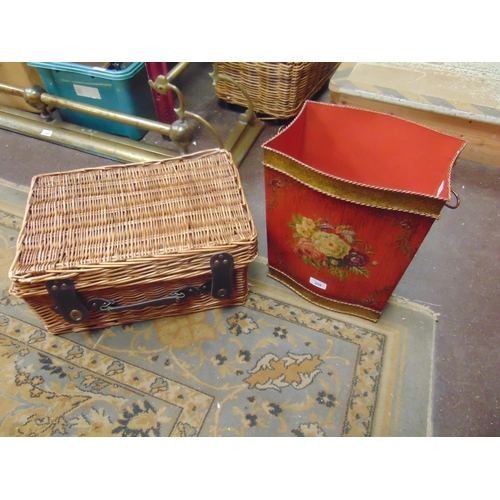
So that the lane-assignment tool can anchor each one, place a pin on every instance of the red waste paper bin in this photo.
(350, 196)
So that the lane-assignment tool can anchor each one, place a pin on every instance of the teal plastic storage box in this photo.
(124, 90)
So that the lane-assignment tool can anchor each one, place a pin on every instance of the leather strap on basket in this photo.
(74, 310)
(68, 303)
(222, 266)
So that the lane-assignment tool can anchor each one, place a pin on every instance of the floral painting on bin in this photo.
(326, 246)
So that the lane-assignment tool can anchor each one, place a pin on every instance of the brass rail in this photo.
(181, 132)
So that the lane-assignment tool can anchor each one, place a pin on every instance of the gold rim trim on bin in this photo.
(331, 304)
(351, 191)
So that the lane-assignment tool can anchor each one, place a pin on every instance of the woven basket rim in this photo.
(245, 238)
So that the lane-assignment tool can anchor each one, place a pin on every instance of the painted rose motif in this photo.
(308, 249)
(306, 227)
(330, 244)
(333, 247)
(355, 259)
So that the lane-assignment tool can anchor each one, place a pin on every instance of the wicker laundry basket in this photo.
(277, 89)
(350, 196)
(126, 243)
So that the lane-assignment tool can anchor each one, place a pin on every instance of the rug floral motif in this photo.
(268, 368)
(52, 387)
(258, 376)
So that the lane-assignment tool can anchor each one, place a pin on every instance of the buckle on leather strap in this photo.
(68, 304)
(222, 267)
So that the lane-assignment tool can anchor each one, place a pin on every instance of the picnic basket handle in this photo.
(176, 297)
(75, 311)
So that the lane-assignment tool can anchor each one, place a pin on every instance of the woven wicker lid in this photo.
(116, 215)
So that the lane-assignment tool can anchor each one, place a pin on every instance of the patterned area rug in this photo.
(277, 366)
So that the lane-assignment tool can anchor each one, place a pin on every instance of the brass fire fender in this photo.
(45, 127)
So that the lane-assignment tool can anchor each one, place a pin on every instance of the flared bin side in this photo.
(342, 230)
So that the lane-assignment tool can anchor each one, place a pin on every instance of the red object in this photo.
(350, 196)
(164, 103)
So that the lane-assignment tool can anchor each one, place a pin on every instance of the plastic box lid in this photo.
(82, 69)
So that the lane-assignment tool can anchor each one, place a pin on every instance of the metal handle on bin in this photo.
(457, 203)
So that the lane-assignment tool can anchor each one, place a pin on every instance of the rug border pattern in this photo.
(133, 378)
(360, 401)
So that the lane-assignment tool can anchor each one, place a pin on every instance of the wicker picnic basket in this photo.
(126, 243)
(277, 89)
